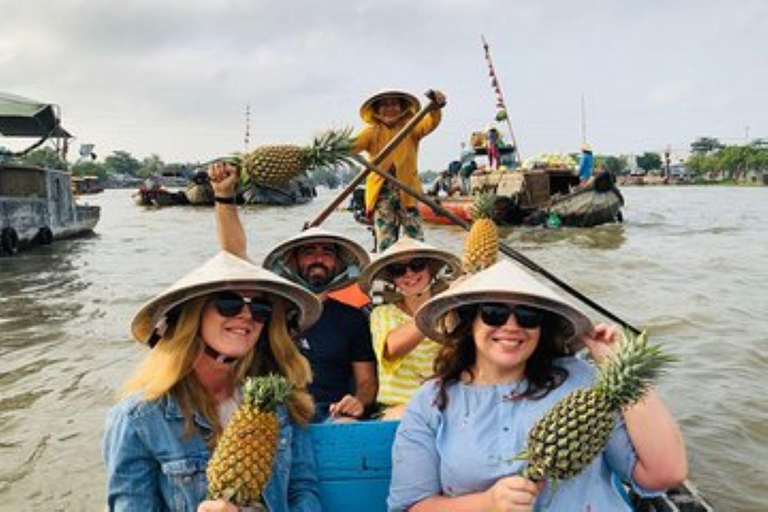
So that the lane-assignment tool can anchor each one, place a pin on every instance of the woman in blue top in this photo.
(220, 323)
(503, 364)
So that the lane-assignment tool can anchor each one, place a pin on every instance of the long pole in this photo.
(500, 97)
(504, 248)
(384, 153)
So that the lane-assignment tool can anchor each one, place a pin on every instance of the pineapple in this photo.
(578, 427)
(241, 464)
(278, 164)
(481, 247)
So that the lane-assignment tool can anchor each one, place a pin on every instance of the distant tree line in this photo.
(708, 155)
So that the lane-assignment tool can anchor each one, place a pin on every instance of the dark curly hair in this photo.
(459, 354)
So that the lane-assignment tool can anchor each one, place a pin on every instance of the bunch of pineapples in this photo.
(481, 247)
(241, 464)
(278, 164)
(578, 427)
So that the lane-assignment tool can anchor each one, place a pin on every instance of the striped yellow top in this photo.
(399, 378)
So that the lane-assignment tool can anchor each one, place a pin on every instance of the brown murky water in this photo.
(690, 264)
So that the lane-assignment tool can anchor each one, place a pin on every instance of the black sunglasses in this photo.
(399, 269)
(496, 314)
(230, 304)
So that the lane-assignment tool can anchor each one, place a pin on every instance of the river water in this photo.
(689, 264)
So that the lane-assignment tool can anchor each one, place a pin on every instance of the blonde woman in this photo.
(405, 355)
(220, 323)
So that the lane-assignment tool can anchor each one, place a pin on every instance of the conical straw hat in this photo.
(404, 250)
(352, 257)
(367, 111)
(225, 272)
(501, 282)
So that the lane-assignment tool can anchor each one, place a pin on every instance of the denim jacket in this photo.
(151, 466)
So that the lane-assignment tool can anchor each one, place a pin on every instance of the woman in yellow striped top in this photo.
(405, 356)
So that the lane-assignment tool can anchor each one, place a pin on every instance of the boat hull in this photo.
(37, 207)
(461, 207)
(588, 208)
(354, 467)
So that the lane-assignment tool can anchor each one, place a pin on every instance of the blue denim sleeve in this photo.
(132, 471)
(415, 458)
(303, 485)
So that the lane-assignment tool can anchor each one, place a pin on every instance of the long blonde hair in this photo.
(167, 369)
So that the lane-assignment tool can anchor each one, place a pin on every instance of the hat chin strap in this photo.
(216, 355)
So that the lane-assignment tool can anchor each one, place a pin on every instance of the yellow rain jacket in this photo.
(372, 140)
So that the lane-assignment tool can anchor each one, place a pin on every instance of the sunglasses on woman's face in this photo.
(400, 269)
(497, 314)
(230, 304)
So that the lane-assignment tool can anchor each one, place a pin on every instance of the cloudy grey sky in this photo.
(172, 77)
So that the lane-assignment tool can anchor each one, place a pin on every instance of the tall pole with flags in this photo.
(247, 138)
(502, 112)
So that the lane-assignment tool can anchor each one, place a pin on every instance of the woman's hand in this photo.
(217, 506)
(603, 341)
(224, 177)
(512, 494)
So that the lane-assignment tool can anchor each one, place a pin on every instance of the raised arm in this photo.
(229, 229)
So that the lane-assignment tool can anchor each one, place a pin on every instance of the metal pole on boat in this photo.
(384, 153)
(504, 248)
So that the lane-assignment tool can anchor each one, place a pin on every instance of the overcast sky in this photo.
(173, 77)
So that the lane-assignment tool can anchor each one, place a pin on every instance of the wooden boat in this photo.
(532, 197)
(297, 191)
(84, 185)
(36, 204)
(153, 193)
(354, 465)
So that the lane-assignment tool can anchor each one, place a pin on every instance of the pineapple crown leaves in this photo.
(483, 207)
(330, 148)
(266, 392)
(625, 378)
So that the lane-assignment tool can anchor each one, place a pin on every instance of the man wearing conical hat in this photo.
(338, 346)
(385, 114)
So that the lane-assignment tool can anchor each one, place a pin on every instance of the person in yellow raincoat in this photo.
(385, 114)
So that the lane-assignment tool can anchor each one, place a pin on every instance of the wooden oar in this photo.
(384, 153)
(504, 248)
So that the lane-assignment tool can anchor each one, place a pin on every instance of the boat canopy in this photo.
(22, 117)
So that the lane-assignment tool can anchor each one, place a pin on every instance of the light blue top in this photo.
(586, 163)
(469, 445)
(151, 466)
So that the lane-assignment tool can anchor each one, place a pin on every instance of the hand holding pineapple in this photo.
(224, 178)
(513, 493)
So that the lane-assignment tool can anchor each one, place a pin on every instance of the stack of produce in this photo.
(550, 161)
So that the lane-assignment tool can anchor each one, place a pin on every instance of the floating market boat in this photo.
(543, 189)
(37, 205)
(299, 190)
(354, 465)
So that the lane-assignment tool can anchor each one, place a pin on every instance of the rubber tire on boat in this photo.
(45, 236)
(9, 241)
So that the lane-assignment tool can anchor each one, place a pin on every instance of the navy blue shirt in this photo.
(340, 337)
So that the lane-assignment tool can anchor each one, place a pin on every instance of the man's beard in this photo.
(317, 279)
